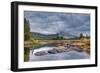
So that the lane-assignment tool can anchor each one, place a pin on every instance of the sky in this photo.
(57, 22)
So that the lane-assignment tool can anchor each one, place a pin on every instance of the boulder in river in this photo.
(60, 50)
(53, 51)
(56, 50)
(77, 49)
(40, 53)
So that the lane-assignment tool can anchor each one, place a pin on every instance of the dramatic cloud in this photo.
(54, 22)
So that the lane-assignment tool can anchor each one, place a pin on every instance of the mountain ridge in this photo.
(51, 36)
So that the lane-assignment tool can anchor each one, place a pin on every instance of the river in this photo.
(70, 55)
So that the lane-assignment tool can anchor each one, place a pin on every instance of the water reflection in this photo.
(66, 55)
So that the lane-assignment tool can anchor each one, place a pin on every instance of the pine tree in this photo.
(26, 30)
(81, 35)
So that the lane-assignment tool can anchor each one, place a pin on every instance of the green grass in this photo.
(26, 57)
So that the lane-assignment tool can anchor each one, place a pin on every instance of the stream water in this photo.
(73, 54)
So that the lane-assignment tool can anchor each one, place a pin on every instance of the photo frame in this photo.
(48, 36)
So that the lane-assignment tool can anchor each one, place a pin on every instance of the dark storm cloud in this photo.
(54, 22)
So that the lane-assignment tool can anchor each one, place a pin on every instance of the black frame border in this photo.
(14, 35)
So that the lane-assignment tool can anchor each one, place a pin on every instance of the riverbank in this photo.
(83, 45)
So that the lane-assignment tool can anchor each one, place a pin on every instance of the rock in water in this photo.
(56, 50)
(40, 53)
(77, 49)
(60, 50)
(53, 51)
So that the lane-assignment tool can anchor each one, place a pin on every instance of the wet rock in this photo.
(60, 50)
(77, 49)
(53, 51)
(40, 53)
(56, 50)
(67, 49)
